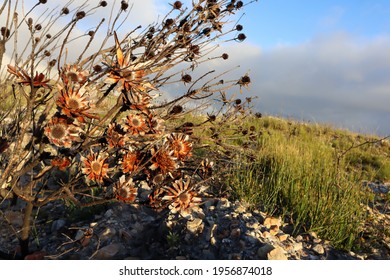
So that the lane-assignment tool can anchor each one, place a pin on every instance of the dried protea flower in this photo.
(103, 3)
(186, 78)
(74, 74)
(225, 56)
(115, 136)
(60, 133)
(162, 160)
(124, 5)
(239, 27)
(252, 128)
(80, 15)
(206, 168)
(61, 163)
(74, 104)
(156, 125)
(135, 124)
(241, 37)
(130, 162)
(182, 198)
(177, 5)
(65, 11)
(155, 199)
(95, 167)
(180, 145)
(125, 190)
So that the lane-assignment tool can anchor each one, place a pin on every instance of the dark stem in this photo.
(24, 239)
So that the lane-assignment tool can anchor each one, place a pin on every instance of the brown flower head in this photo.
(182, 198)
(156, 125)
(115, 136)
(162, 160)
(135, 124)
(130, 162)
(155, 199)
(74, 104)
(95, 167)
(73, 75)
(125, 190)
(206, 168)
(126, 74)
(180, 145)
(24, 78)
(60, 133)
(61, 163)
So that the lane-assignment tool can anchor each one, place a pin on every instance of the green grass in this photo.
(300, 171)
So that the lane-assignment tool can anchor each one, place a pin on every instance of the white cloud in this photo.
(334, 78)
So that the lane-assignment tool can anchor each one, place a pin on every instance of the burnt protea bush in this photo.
(103, 116)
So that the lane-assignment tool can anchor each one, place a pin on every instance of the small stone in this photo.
(211, 232)
(240, 209)
(319, 249)
(93, 224)
(264, 250)
(195, 226)
(236, 232)
(107, 252)
(125, 235)
(274, 230)
(272, 221)
(108, 213)
(107, 234)
(277, 254)
(14, 217)
(298, 246)
(317, 240)
(282, 237)
(313, 234)
(57, 225)
(299, 238)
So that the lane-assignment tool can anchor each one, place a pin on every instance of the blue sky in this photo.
(274, 22)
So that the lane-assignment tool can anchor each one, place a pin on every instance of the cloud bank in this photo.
(334, 78)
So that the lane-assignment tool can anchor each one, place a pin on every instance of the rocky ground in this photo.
(225, 230)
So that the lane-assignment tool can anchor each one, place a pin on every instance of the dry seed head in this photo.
(186, 78)
(46, 53)
(65, 11)
(177, 109)
(169, 22)
(80, 15)
(52, 63)
(241, 37)
(48, 36)
(239, 27)
(239, 5)
(103, 3)
(238, 101)
(38, 27)
(5, 32)
(177, 5)
(97, 68)
(225, 56)
(37, 39)
(30, 21)
(91, 33)
(42, 1)
(124, 5)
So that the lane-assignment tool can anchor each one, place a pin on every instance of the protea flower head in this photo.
(60, 133)
(180, 145)
(95, 167)
(125, 190)
(182, 198)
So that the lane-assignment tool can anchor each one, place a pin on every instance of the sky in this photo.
(325, 61)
